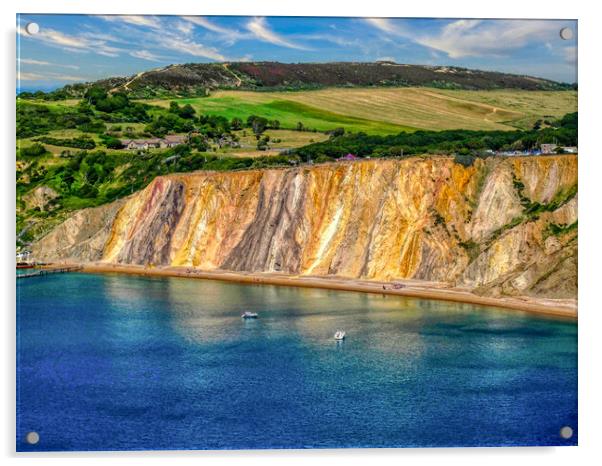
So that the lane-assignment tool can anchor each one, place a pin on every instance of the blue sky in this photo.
(76, 48)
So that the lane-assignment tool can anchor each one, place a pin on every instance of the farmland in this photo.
(390, 110)
(70, 156)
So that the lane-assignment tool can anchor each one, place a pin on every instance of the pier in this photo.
(50, 270)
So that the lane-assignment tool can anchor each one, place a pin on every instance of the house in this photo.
(569, 149)
(153, 143)
(348, 157)
(173, 140)
(548, 148)
(141, 144)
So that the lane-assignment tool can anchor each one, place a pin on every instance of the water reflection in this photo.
(172, 361)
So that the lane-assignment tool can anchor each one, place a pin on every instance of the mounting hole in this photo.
(566, 33)
(32, 438)
(32, 28)
(566, 432)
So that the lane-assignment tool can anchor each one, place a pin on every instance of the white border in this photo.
(590, 231)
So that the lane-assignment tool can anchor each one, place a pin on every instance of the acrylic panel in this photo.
(278, 232)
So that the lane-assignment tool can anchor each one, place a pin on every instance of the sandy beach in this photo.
(409, 288)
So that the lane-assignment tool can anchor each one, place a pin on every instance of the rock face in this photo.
(40, 198)
(499, 227)
(82, 237)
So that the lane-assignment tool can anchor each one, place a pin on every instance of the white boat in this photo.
(249, 315)
(339, 335)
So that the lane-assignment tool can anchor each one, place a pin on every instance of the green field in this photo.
(288, 112)
(390, 110)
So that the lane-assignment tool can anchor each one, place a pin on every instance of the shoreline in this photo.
(409, 288)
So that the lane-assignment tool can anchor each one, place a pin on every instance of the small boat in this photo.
(249, 315)
(339, 335)
(25, 265)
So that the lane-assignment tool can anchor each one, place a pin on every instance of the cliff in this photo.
(501, 226)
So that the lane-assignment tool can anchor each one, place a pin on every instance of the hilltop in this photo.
(197, 79)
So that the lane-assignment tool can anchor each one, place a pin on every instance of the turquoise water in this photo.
(129, 363)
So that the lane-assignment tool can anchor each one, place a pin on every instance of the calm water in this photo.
(120, 362)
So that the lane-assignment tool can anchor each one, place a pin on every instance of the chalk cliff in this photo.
(500, 226)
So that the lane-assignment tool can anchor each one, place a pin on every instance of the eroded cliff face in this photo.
(500, 226)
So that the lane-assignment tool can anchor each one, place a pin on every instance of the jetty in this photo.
(50, 270)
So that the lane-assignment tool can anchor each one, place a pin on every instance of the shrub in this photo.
(35, 150)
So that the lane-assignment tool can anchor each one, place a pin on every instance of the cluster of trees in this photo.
(182, 119)
(116, 105)
(35, 150)
(213, 126)
(187, 111)
(81, 142)
(34, 120)
(58, 94)
(258, 124)
(463, 142)
(170, 123)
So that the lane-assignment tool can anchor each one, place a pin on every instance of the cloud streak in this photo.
(145, 55)
(475, 38)
(26, 76)
(145, 21)
(260, 29)
(71, 42)
(130, 40)
(26, 61)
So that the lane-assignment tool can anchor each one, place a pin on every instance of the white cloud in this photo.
(173, 36)
(227, 35)
(205, 23)
(384, 25)
(184, 27)
(28, 61)
(341, 41)
(187, 46)
(147, 21)
(24, 76)
(73, 43)
(570, 54)
(261, 30)
(145, 55)
(466, 38)
(474, 38)
(34, 62)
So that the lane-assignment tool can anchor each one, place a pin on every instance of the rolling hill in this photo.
(389, 110)
(199, 78)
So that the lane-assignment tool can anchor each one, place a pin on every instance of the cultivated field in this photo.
(390, 110)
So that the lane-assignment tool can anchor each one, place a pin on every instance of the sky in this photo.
(78, 48)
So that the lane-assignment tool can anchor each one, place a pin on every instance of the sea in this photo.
(124, 362)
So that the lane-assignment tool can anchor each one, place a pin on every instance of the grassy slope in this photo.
(287, 139)
(390, 110)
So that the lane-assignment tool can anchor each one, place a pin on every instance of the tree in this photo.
(300, 126)
(258, 124)
(113, 143)
(337, 132)
(198, 143)
(35, 150)
(187, 112)
(94, 94)
(262, 144)
(236, 123)
(182, 149)
(174, 107)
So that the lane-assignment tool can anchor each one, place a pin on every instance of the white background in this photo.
(590, 227)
